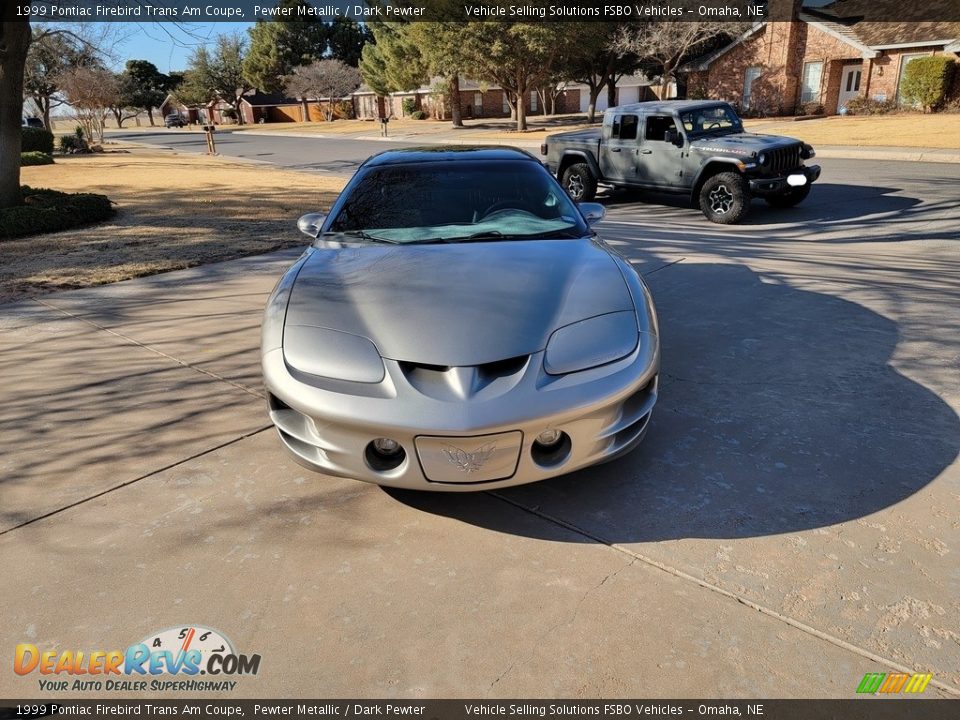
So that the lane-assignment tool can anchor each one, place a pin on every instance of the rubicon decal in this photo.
(181, 651)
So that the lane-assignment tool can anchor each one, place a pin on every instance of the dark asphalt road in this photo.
(327, 155)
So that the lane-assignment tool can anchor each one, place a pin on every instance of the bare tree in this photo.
(92, 92)
(326, 80)
(669, 43)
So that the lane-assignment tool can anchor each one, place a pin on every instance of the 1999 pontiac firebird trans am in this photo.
(456, 325)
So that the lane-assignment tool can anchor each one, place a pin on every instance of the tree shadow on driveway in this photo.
(830, 206)
(778, 412)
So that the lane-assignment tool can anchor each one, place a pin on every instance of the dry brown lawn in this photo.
(908, 130)
(174, 211)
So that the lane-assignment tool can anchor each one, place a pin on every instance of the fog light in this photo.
(549, 437)
(386, 446)
(384, 454)
(551, 448)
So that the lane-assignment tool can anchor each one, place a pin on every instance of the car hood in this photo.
(742, 143)
(457, 305)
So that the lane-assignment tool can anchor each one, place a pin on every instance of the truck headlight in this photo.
(592, 342)
(762, 158)
(807, 152)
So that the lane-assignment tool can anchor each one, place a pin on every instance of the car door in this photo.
(618, 158)
(660, 163)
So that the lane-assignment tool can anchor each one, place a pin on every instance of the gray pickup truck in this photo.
(683, 146)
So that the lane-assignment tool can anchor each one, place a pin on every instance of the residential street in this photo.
(790, 523)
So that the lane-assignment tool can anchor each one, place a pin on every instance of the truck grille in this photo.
(784, 159)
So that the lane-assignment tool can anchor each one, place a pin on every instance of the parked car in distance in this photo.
(175, 120)
(33, 122)
(457, 325)
(697, 148)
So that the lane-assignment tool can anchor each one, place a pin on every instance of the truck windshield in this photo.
(711, 120)
(457, 202)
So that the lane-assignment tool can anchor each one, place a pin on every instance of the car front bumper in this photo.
(780, 183)
(454, 444)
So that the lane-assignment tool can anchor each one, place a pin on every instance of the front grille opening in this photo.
(502, 368)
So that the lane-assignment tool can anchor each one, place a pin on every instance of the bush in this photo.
(35, 158)
(36, 140)
(810, 108)
(418, 115)
(926, 80)
(70, 144)
(869, 106)
(45, 211)
(409, 106)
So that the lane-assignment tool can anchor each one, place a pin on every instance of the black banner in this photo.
(840, 12)
(863, 708)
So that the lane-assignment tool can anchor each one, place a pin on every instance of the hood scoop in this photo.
(464, 382)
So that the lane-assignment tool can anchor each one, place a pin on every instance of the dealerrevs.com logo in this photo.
(182, 652)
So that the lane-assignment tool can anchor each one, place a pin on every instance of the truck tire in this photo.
(793, 196)
(724, 198)
(579, 182)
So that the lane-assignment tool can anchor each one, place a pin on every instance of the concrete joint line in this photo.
(152, 349)
(803, 627)
(137, 479)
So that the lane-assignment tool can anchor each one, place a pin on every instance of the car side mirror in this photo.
(673, 137)
(592, 212)
(311, 223)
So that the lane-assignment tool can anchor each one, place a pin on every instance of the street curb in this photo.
(937, 155)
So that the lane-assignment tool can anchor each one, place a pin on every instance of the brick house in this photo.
(487, 101)
(817, 61)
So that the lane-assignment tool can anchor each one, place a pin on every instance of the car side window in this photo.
(625, 127)
(657, 126)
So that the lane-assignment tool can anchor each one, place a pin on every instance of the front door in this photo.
(660, 163)
(849, 85)
(618, 156)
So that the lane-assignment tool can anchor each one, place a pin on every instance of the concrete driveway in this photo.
(791, 522)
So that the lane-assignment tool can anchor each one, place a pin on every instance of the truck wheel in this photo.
(579, 182)
(793, 196)
(724, 198)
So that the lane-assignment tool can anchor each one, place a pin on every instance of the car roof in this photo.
(448, 153)
(666, 106)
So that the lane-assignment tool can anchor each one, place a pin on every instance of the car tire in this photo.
(579, 182)
(793, 196)
(724, 198)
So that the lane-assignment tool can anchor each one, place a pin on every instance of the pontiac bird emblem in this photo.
(469, 462)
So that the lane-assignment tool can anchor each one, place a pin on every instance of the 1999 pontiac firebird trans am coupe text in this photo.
(457, 325)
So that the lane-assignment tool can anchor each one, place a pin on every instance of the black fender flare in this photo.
(571, 157)
(711, 162)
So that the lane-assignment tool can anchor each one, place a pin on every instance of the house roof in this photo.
(846, 23)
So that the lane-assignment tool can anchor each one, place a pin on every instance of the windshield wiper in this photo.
(359, 234)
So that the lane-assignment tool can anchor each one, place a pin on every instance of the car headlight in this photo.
(762, 158)
(807, 152)
(592, 342)
(332, 354)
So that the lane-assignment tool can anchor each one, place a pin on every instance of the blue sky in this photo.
(166, 45)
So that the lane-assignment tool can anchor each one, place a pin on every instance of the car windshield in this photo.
(457, 202)
(711, 120)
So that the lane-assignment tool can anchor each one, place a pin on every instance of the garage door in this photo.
(629, 95)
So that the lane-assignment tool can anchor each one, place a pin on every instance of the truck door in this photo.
(618, 155)
(660, 162)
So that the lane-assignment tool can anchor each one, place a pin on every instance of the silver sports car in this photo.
(456, 325)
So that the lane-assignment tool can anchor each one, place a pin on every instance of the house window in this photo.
(904, 61)
(853, 81)
(751, 74)
(812, 75)
(506, 105)
(478, 104)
